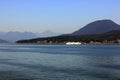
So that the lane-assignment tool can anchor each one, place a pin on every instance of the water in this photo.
(60, 62)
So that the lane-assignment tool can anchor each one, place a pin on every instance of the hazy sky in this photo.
(61, 16)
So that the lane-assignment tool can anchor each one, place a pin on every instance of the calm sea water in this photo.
(59, 62)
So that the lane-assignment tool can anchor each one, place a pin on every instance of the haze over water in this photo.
(60, 62)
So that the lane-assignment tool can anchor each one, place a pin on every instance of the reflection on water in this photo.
(59, 62)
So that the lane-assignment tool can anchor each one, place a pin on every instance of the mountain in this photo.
(3, 41)
(14, 36)
(97, 27)
(98, 31)
(108, 37)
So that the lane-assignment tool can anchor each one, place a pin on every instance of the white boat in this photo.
(73, 43)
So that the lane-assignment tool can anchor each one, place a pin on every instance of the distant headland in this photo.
(98, 32)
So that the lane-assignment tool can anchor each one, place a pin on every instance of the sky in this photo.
(62, 16)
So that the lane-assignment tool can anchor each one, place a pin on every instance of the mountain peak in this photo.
(104, 20)
(98, 27)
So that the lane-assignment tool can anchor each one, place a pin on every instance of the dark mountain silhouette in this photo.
(104, 31)
(97, 27)
(108, 37)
